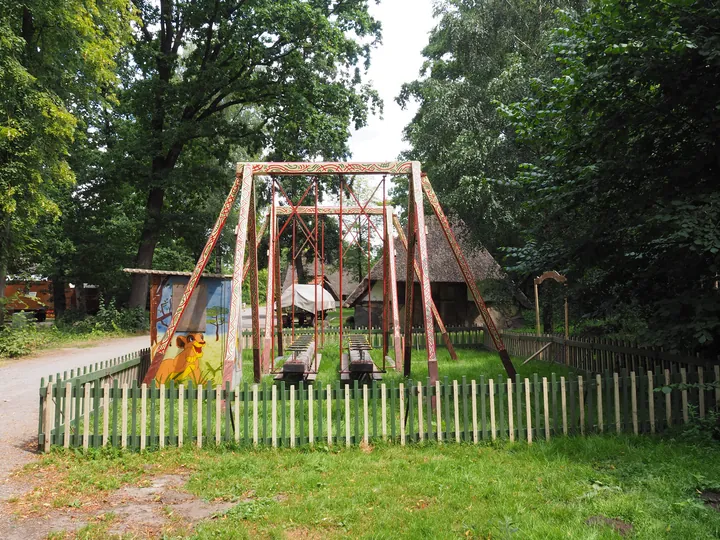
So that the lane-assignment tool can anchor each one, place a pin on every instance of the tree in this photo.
(624, 187)
(209, 76)
(481, 52)
(56, 59)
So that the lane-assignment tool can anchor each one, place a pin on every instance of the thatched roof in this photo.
(442, 263)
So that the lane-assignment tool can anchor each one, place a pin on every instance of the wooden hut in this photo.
(449, 290)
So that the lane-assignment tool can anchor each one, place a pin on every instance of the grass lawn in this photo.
(547, 490)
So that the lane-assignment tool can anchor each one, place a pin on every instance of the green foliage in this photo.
(481, 52)
(623, 184)
(55, 59)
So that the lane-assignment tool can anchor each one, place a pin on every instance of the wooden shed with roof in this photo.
(449, 290)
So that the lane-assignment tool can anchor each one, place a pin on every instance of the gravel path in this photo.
(20, 397)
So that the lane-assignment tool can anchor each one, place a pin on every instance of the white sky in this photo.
(405, 28)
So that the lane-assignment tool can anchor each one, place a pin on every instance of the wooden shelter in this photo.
(449, 290)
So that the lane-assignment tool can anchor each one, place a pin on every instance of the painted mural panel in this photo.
(197, 352)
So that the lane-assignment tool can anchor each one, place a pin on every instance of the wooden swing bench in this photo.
(357, 363)
(299, 363)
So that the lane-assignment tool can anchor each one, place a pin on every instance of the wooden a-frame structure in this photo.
(418, 185)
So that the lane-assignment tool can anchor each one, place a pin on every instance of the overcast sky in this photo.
(406, 24)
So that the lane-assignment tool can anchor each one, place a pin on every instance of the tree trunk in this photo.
(148, 242)
(59, 304)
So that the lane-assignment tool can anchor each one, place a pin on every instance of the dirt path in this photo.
(19, 397)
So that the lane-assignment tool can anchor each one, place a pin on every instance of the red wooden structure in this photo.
(358, 211)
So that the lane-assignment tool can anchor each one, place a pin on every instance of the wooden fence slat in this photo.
(511, 427)
(355, 394)
(273, 419)
(438, 412)
(301, 416)
(311, 418)
(86, 417)
(633, 402)
(598, 380)
(96, 413)
(616, 392)
(483, 408)
(473, 392)
(292, 417)
(651, 402)
(501, 407)
(491, 392)
(347, 415)
(106, 413)
(50, 415)
(218, 413)
(199, 415)
(328, 401)
(528, 418)
(143, 416)
(402, 414)
(124, 430)
(581, 396)
(366, 415)
(421, 427)
(563, 405)
(383, 408)
(162, 416)
(457, 410)
(181, 414)
(546, 407)
(466, 429)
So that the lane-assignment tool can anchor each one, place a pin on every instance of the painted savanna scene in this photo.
(353, 269)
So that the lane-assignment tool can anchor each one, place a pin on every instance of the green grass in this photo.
(472, 362)
(547, 490)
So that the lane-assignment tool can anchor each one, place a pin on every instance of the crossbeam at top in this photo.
(329, 168)
(329, 210)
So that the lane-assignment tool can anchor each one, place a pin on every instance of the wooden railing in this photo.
(600, 355)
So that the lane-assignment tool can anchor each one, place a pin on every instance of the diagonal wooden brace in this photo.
(469, 279)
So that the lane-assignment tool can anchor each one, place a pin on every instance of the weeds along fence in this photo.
(458, 336)
(278, 415)
(600, 355)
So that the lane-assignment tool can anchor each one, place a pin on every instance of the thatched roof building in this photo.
(449, 290)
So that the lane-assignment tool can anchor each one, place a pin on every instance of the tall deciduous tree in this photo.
(624, 189)
(280, 76)
(481, 52)
(56, 58)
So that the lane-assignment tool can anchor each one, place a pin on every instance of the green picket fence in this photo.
(97, 413)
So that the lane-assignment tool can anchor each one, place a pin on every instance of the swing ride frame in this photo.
(263, 358)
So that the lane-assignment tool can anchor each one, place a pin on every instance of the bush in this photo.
(21, 339)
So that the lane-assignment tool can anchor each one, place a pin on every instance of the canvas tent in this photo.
(303, 297)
